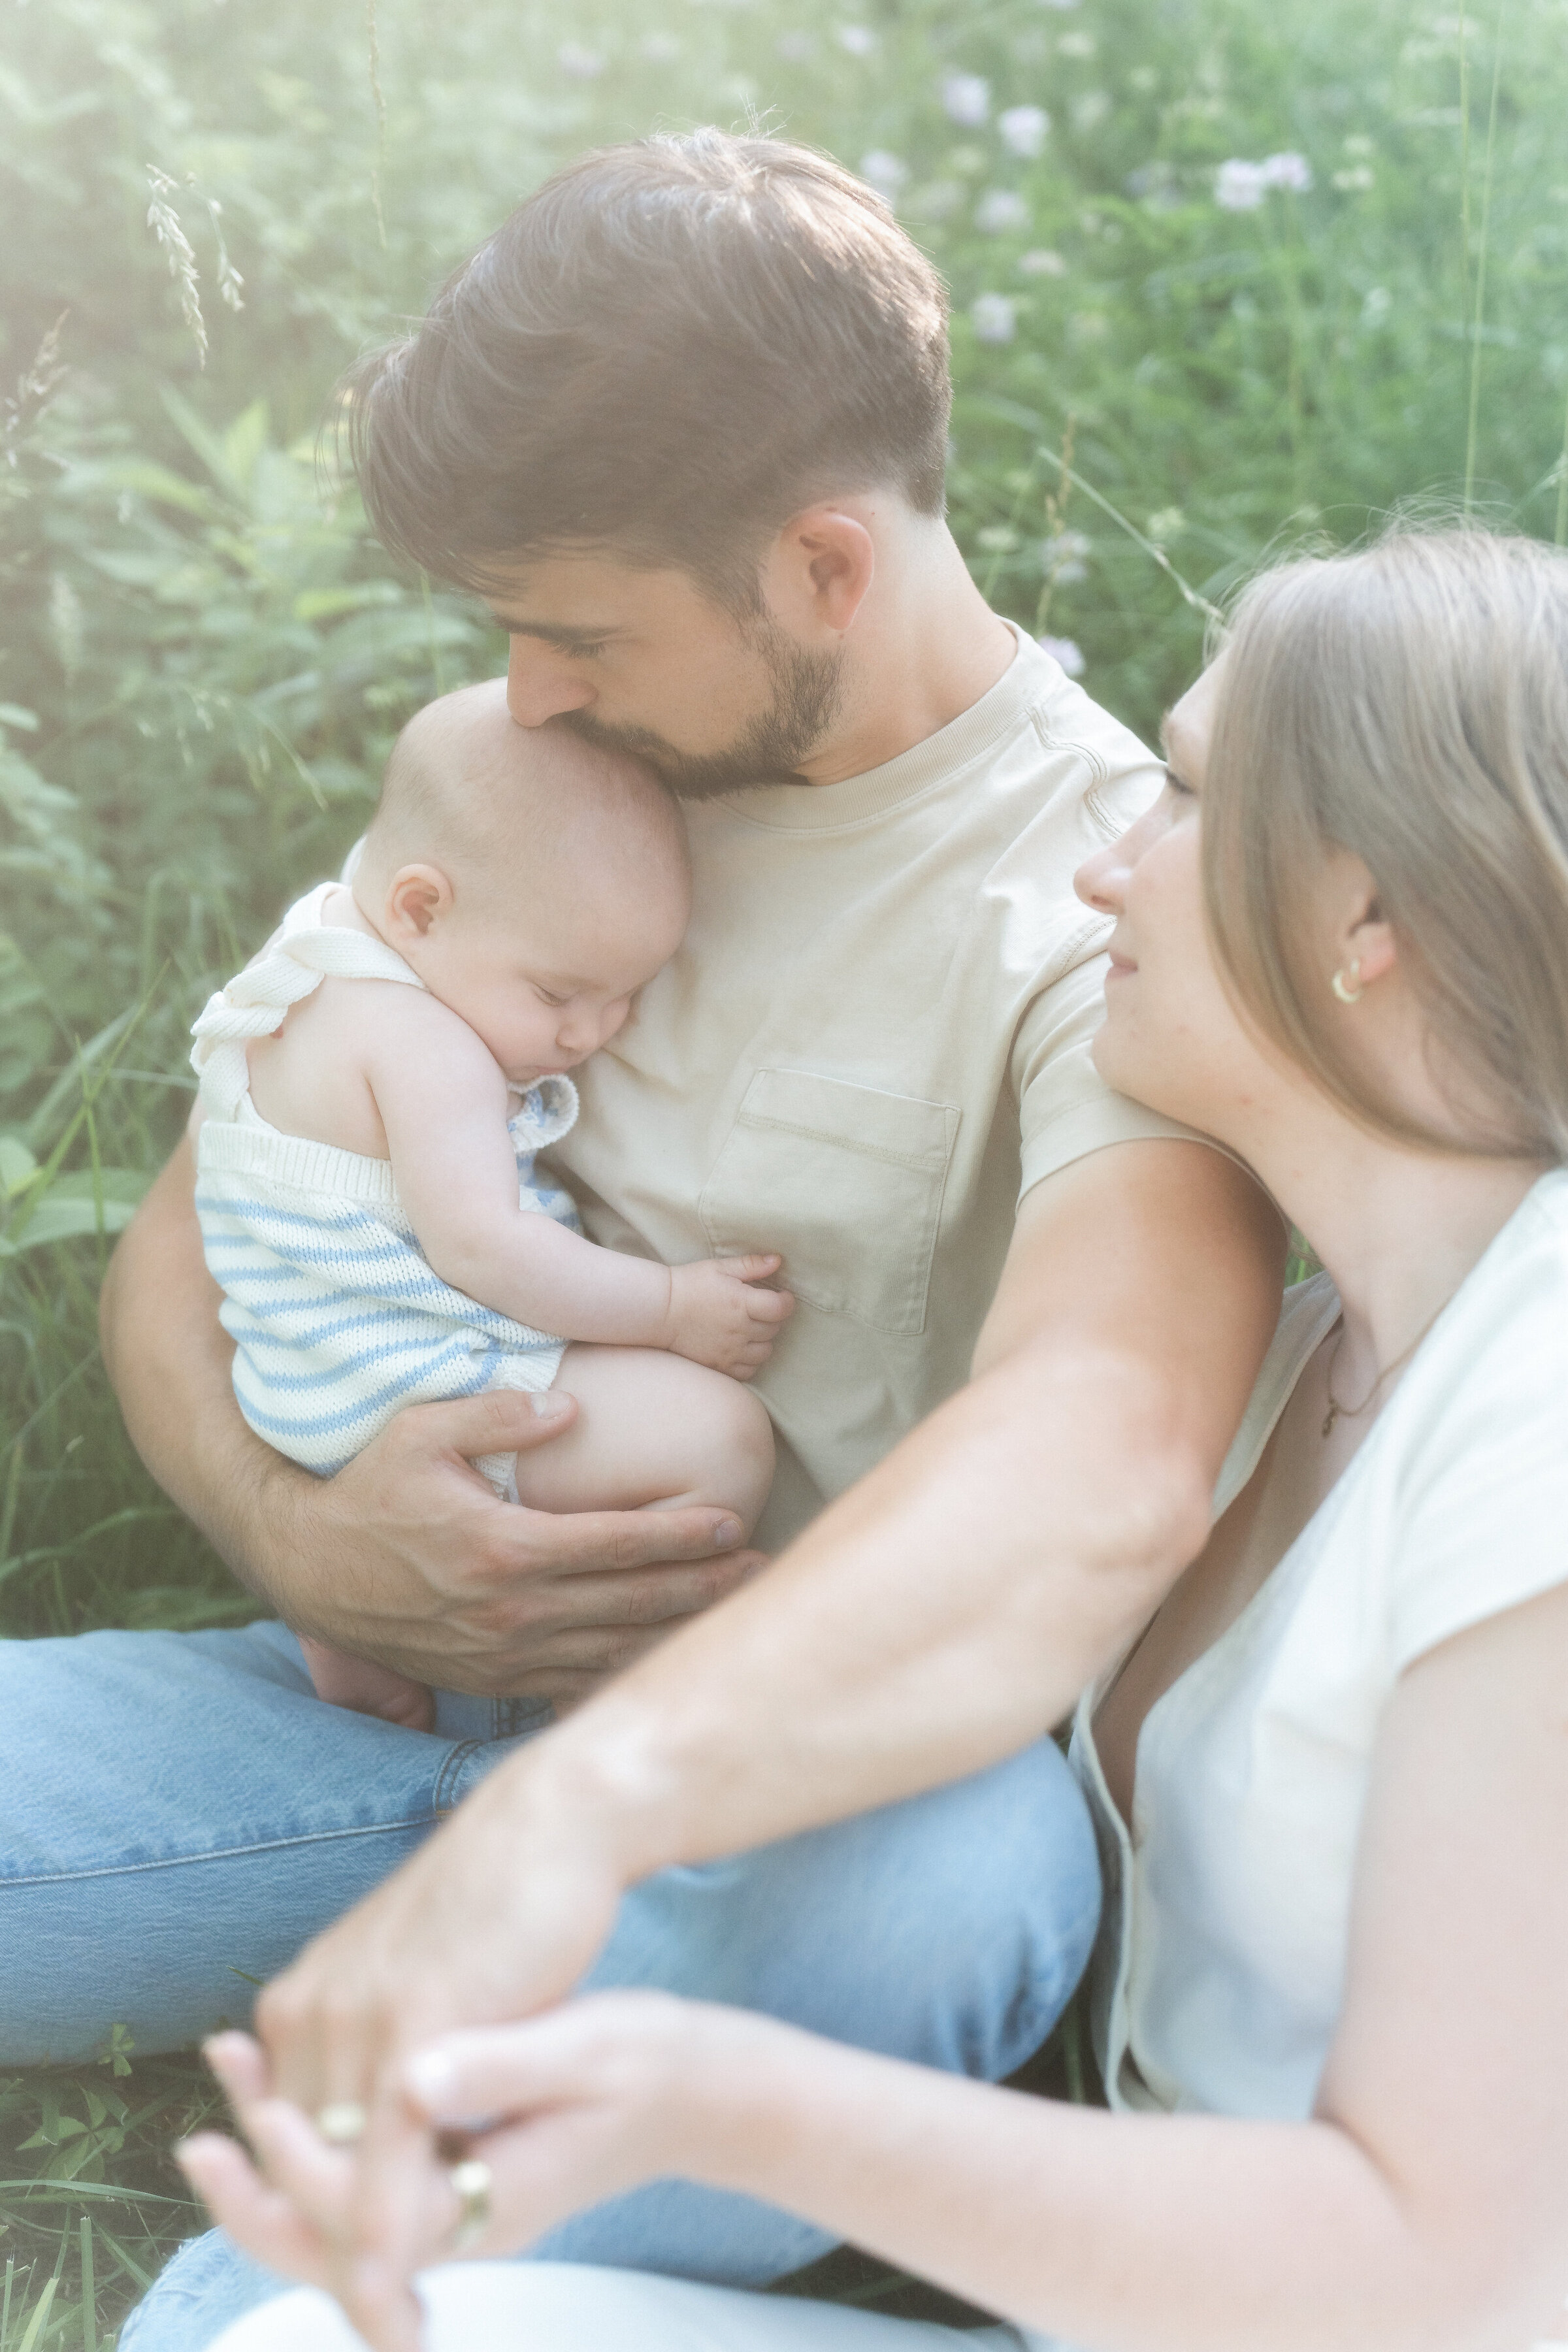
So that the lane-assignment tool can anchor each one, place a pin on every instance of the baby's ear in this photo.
(416, 897)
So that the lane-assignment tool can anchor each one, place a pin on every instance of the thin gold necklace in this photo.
(1338, 1412)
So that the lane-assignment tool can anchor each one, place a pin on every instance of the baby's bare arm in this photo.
(443, 1103)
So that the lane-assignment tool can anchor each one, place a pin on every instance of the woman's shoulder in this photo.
(1496, 1358)
(1476, 1447)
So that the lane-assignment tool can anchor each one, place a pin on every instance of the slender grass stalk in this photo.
(373, 44)
(1188, 593)
(89, 2289)
(1464, 165)
(1562, 485)
(1474, 420)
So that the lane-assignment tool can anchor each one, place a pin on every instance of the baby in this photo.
(373, 1088)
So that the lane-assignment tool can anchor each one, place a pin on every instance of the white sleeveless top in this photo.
(1220, 1973)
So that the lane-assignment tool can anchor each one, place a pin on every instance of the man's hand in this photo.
(721, 1315)
(406, 1556)
(410, 1559)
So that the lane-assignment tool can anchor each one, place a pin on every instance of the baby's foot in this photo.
(367, 1688)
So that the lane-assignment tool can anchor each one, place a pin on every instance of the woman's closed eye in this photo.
(1178, 785)
(546, 996)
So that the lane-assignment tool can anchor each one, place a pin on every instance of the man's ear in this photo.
(416, 897)
(816, 575)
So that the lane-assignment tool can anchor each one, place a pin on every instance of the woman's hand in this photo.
(566, 2109)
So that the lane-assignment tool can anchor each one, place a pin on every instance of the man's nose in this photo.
(540, 683)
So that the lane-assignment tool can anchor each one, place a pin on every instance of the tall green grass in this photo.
(204, 658)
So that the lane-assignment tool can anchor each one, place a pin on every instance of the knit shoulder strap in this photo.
(300, 954)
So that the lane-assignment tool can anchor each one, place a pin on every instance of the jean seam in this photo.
(225, 1852)
(442, 1798)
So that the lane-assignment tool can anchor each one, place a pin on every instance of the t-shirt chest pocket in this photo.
(847, 1181)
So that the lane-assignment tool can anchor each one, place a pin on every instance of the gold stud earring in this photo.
(1347, 986)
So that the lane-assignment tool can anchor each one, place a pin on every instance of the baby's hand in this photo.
(718, 1314)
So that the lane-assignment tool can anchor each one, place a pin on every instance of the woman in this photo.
(1335, 1953)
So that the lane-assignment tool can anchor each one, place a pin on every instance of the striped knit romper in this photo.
(338, 1318)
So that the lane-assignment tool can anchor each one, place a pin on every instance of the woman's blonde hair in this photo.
(1409, 703)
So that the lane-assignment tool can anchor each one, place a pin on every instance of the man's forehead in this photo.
(569, 598)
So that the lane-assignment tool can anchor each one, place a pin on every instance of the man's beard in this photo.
(769, 749)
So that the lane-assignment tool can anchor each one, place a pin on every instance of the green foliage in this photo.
(211, 205)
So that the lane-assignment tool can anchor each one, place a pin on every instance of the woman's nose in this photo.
(539, 685)
(1102, 880)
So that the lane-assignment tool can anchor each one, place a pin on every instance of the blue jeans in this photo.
(180, 1813)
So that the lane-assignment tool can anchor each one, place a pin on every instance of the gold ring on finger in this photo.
(342, 2123)
(471, 2184)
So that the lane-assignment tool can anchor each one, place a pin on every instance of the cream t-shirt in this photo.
(1220, 1973)
(873, 1039)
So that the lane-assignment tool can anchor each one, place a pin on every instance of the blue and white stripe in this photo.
(339, 1319)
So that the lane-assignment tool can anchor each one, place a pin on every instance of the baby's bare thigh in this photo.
(651, 1428)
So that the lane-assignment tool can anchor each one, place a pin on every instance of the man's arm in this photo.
(406, 1556)
(946, 1611)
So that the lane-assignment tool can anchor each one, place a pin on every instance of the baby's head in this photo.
(533, 881)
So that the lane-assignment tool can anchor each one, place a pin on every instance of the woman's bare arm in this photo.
(1424, 2209)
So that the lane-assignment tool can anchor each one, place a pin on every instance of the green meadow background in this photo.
(1227, 275)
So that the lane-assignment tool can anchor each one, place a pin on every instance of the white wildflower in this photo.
(997, 539)
(1239, 186)
(887, 173)
(1001, 211)
(1063, 650)
(1359, 175)
(860, 40)
(1376, 307)
(1091, 110)
(1025, 130)
(1076, 45)
(966, 98)
(661, 49)
(797, 47)
(1168, 524)
(1287, 170)
(1041, 262)
(583, 65)
(994, 318)
(1062, 558)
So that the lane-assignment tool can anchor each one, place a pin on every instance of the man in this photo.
(682, 421)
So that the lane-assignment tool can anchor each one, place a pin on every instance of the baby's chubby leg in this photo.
(343, 1680)
(651, 1428)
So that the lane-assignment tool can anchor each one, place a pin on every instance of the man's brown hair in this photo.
(666, 351)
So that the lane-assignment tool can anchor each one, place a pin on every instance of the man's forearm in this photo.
(168, 1358)
(952, 1606)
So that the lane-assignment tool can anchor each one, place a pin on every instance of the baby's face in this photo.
(547, 984)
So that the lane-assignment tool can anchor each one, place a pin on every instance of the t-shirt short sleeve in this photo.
(1491, 1535)
(1486, 1463)
(1065, 1110)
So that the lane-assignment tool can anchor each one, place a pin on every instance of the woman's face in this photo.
(1171, 1036)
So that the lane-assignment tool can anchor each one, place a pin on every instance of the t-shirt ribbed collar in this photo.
(815, 808)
